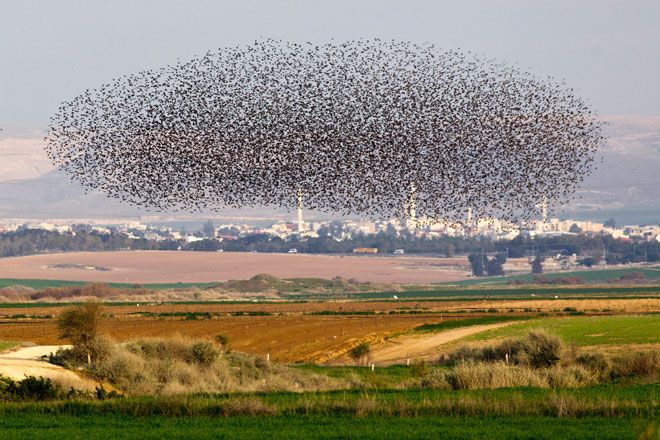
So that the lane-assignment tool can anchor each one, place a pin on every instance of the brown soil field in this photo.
(290, 334)
(176, 266)
(286, 338)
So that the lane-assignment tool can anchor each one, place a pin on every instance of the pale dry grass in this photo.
(482, 375)
(168, 366)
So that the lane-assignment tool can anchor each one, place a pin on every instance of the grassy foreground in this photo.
(324, 427)
(606, 412)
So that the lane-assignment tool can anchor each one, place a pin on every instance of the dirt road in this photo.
(423, 346)
(27, 362)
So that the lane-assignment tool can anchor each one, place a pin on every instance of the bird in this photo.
(359, 127)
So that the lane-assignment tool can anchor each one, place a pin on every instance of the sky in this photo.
(52, 50)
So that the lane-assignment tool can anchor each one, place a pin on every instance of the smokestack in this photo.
(300, 217)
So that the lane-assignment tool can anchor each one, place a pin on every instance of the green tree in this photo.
(495, 266)
(477, 262)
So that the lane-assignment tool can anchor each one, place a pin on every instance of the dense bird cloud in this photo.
(363, 127)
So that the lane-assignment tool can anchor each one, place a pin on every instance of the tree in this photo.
(537, 265)
(575, 229)
(495, 266)
(360, 352)
(80, 325)
(449, 250)
(610, 223)
(208, 229)
(477, 263)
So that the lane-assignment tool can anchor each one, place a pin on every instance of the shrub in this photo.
(536, 349)
(469, 376)
(204, 353)
(31, 388)
(223, 340)
(595, 362)
(360, 352)
(642, 364)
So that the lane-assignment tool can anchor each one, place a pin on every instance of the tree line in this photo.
(591, 249)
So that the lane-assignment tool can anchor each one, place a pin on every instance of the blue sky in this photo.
(52, 50)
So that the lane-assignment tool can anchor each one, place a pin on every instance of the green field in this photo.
(457, 323)
(317, 427)
(588, 330)
(589, 276)
(502, 291)
(294, 289)
(604, 412)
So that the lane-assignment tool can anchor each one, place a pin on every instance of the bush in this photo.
(536, 349)
(595, 362)
(360, 352)
(223, 340)
(470, 376)
(30, 388)
(641, 364)
(204, 353)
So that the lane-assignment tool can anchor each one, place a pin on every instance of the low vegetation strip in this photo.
(589, 276)
(495, 291)
(588, 330)
(457, 323)
(599, 401)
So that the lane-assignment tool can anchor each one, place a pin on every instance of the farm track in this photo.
(424, 346)
(17, 364)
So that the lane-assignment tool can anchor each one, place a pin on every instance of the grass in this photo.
(604, 412)
(457, 323)
(320, 427)
(586, 331)
(6, 345)
(589, 276)
(381, 377)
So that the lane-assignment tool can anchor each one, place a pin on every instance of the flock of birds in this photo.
(368, 127)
